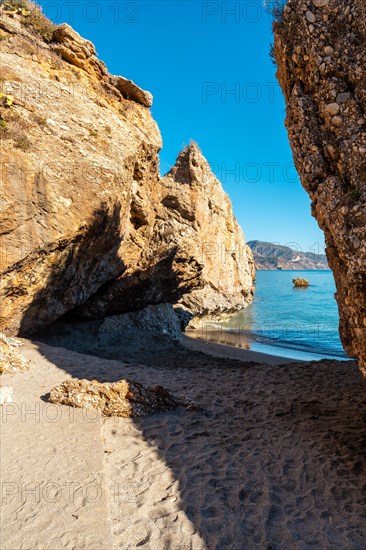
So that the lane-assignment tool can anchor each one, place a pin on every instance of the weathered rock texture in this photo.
(124, 398)
(160, 319)
(11, 360)
(87, 224)
(320, 49)
(196, 253)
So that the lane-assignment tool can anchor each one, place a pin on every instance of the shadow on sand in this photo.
(276, 457)
(274, 460)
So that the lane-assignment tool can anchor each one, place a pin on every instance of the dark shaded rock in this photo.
(161, 318)
(184, 317)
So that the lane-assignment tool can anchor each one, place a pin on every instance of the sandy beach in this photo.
(275, 459)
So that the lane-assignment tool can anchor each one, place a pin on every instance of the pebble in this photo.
(328, 50)
(331, 149)
(337, 121)
(333, 109)
(310, 17)
(341, 98)
(320, 3)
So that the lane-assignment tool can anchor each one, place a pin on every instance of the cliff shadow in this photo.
(274, 453)
(68, 271)
(163, 280)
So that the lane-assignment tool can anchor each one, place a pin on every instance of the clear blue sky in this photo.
(190, 55)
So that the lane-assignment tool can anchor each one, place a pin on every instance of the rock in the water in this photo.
(299, 282)
(11, 360)
(88, 224)
(326, 103)
(123, 398)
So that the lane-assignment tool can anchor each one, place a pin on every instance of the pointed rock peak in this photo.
(190, 165)
(191, 154)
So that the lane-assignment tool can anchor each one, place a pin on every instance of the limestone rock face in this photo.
(196, 256)
(124, 398)
(322, 72)
(199, 216)
(87, 224)
(80, 52)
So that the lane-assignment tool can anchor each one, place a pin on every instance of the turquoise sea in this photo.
(281, 316)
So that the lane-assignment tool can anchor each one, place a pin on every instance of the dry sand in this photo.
(274, 461)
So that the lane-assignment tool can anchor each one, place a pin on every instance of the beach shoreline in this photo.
(229, 344)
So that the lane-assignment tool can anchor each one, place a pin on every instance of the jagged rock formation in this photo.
(124, 398)
(87, 224)
(320, 49)
(269, 256)
(196, 255)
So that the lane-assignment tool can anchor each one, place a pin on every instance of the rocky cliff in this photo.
(320, 49)
(88, 226)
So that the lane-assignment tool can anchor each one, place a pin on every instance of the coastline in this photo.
(232, 352)
(301, 324)
(228, 343)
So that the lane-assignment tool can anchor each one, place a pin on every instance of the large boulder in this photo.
(320, 49)
(124, 398)
(159, 319)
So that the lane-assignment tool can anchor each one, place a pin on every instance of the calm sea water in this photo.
(305, 319)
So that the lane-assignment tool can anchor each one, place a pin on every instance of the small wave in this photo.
(298, 346)
(218, 331)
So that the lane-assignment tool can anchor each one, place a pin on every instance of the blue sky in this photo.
(208, 67)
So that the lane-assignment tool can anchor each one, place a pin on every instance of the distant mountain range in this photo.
(276, 256)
